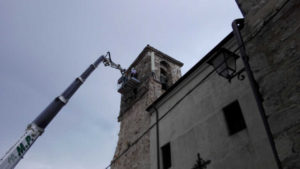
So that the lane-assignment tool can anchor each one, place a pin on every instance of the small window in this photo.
(234, 117)
(166, 156)
(163, 79)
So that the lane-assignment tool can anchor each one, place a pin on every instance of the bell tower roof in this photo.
(150, 74)
(158, 53)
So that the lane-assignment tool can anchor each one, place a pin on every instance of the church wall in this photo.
(134, 119)
(273, 34)
(196, 124)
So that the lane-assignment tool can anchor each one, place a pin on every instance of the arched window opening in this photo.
(163, 79)
(164, 64)
(165, 75)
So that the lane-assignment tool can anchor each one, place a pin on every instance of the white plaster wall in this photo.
(196, 124)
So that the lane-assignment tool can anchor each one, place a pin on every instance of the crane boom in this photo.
(16, 153)
(38, 125)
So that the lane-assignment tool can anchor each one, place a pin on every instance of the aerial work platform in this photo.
(127, 84)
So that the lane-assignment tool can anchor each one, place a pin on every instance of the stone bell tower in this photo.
(156, 72)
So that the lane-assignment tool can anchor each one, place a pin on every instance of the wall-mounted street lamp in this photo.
(224, 63)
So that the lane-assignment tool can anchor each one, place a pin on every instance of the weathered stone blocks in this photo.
(274, 55)
(132, 150)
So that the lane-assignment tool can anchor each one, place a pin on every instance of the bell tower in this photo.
(155, 74)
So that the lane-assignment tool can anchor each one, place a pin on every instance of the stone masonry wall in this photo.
(155, 85)
(272, 35)
(134, 121)
(143, 72)
(134, 118)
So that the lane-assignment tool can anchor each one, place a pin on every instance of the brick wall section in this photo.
(272, 32)
(134, 118)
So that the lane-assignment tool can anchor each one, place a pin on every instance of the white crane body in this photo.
(36, 128)
(16, 153)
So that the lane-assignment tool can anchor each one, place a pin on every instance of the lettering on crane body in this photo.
(21, 149)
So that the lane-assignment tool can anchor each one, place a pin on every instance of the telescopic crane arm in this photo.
(38, 125)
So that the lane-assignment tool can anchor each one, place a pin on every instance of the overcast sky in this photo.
(45, 44)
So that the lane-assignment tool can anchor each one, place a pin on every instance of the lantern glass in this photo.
(230, 62)
(224, 63)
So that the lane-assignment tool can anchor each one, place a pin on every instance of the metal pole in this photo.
(157, 138)
(235, 25)
(53, 108)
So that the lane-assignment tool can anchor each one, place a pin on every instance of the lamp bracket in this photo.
(239, 75)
